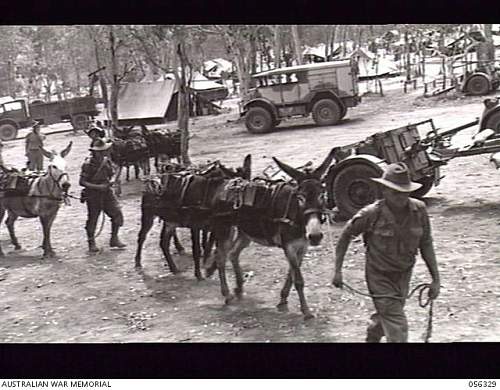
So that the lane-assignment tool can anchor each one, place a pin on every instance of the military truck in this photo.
(324, 90)
(17, 114)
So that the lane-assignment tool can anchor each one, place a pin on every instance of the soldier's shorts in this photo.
(390, 319)
(106, 201)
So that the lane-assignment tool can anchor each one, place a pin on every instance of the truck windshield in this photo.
(11, 106)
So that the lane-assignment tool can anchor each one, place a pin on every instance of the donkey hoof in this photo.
(308, 316)
(18, 247)
(229, 299)
(138, 266)
(239, 293)
(282, 307)
(2, 255)
(49, 255)
(199, 278)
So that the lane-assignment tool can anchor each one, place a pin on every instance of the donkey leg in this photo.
(166, 236)
(294, 252)
(2, 214)
(137, 167)
(195, 244)
(11, 219)
(177, 243)
(234, 255)
(147, 220)
(47, 226)
(285, 291)
(223, 246)
(208, 244)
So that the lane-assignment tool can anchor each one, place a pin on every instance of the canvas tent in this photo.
(213, 68)
(208, 89)
(155, 102)
(145, 100)
(370, 66)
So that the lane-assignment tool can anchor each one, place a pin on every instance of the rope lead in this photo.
(421, 288)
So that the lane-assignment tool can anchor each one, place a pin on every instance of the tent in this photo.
(214, 68)
(372, 66)
(148, 100)
(208, 89)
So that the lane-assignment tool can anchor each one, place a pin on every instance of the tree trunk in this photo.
(253, 54)
(344, 41)
(115, 83)
(332, 38)
(490, 47)
(277, 46)
(183, 105)
(296, 44)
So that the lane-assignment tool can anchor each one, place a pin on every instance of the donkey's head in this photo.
(219, 170)
(57, 167)
(310, 195)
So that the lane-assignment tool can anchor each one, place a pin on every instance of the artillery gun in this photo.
(348, 179)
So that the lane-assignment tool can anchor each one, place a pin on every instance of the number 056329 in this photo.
(483, 383)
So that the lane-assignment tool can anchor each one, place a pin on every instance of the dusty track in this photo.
(82, 298)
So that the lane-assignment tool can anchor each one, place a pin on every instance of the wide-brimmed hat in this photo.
(34, 123)
(100, 145)
(100, 131)
(397, 177)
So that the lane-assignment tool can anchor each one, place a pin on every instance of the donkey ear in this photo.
(247, 167)
(292, 172)
(46, 153)
(228, 172)
(320, 171)
(65, 152)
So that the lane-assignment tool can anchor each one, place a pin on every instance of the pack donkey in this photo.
(43, 200)
(282, 214)
(183, 201)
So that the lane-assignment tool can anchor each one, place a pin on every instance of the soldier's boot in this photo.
(92, 246)
(374, 332)
(115, 241)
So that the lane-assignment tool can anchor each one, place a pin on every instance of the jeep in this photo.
(324, 89)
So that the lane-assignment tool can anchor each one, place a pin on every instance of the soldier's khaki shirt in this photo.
(391, 246)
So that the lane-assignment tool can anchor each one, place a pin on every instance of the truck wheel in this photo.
(8, 132)
(478, 85)
(427, 183)
(326, 112)
(79, 121)
(493, 122)
(353, 189)
(258, 120)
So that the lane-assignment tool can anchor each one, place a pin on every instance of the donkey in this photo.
(43, 200)
(290, 218)
(191, 211)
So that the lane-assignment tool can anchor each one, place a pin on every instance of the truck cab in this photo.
(324, 90)
(13, 116)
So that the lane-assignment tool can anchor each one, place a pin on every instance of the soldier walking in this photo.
(97, 178)
(393, 229)
(34, 146)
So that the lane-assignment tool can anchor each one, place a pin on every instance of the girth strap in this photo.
(186, 181)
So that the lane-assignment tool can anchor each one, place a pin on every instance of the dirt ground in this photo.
(101, 298)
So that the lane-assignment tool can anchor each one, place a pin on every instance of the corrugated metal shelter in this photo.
(148, 100)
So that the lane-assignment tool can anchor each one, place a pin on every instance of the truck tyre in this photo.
(326, 112)
(427, 183)
(79, 121)
(8, 131)
(493, 122)
(258, 120)
(478, 85)
(353, 189)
